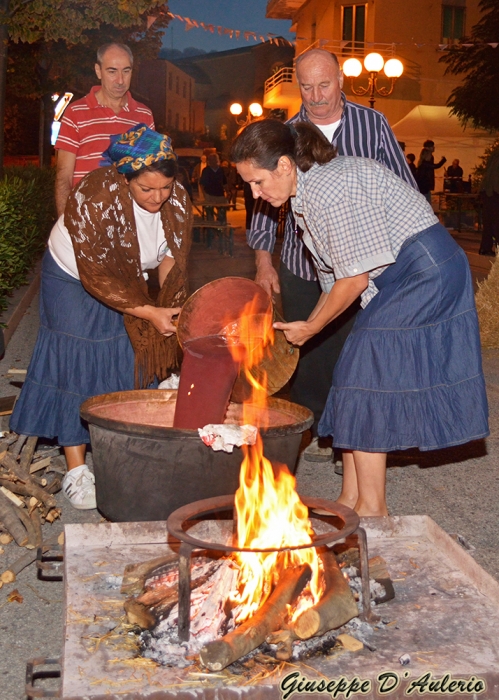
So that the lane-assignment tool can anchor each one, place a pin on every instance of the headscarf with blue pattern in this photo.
(137, 148)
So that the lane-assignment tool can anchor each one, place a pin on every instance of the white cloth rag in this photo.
(171, 383)
(226, 437)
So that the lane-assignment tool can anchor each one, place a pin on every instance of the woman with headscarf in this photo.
(100, 331)
(410, 372)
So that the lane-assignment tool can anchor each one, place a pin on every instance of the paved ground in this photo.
(458, 488)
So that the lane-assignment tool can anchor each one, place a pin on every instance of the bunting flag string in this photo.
(225, 31)
(279, 40)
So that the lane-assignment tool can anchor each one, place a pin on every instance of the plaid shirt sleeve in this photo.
(356, 214)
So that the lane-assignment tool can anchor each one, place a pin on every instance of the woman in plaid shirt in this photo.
(410, 373)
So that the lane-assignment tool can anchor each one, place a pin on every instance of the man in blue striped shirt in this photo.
(355, 131)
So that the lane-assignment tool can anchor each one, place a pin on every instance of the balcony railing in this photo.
(343, 49)
(284, 75)
(351, 48)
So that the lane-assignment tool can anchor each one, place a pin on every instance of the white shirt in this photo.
(150, 235)
(329, 129)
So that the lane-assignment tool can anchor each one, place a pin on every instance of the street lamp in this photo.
(374, 64)
(255, 110)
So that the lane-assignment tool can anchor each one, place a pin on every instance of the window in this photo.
(184, 124)
(177, 121)
(184, 89)
(170, 81)
(452, 24)
(169, 117)
(353, 26)
(177, 85)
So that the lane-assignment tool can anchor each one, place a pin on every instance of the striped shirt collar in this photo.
(93, 103)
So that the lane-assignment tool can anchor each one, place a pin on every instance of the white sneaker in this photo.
(79, 488)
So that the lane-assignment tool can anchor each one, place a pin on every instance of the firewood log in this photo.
(54, 484)
(138, 614)
(27, 453)
(15, 487)
(151, 606)
(16, 448)
(135, 575)
(9, 515)
(10, 574)
(34, 489)
(218, 654)
(7, 441)
(336, 607)
(283, 639)
(30, 528)
(37, 526)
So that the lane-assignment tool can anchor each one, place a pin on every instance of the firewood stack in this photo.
(28, 480)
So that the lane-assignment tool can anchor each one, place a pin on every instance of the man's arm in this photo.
(261, 237)
(64, 178)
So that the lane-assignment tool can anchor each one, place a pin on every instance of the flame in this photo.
(269, 511)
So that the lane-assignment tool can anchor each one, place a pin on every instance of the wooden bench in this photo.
(205, 232)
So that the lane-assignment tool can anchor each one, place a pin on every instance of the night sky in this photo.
(246, 15)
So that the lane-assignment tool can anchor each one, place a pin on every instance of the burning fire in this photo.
(269, 511)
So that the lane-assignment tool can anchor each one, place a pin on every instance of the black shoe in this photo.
(487, 252)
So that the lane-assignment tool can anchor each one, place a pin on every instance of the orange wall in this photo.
(403, 22)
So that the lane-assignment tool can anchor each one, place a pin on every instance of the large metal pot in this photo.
(145, 469)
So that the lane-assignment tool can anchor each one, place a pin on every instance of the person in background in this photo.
(87, 124)
(353, 130)
(425, 177)
(231, 178)
(213, 183)
(411, 162)
(489, 191)
(410, 373)
(455, 176)
(99, 329)
(196, 175)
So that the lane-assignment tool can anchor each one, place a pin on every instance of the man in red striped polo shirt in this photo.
(88, 123)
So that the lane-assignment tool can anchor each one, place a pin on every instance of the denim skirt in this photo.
(410, 373)
(82, 350)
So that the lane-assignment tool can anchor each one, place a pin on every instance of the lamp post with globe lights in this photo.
(255, 110)
(374, 63)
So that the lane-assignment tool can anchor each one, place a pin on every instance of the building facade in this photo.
(237, 75)
(169, 92)
(415, 31)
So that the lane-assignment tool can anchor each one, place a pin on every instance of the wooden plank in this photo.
(36, 466)
(12, 497)
(7, 404)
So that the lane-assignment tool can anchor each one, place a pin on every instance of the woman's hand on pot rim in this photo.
(163, 320)
(297, 332)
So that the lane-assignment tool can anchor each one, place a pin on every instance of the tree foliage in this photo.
(477, 99)
(52, 20)
(45, 67)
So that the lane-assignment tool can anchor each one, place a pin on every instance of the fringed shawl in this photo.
(100, 220)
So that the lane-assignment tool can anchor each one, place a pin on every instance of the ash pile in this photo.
(272, 634)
